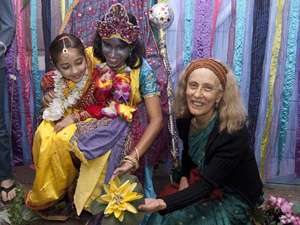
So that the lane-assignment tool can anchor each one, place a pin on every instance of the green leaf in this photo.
(97, 207)
(258, 216)
(296, 209)
(24, 4)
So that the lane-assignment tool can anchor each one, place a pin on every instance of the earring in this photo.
(130, 53)
(217, 105)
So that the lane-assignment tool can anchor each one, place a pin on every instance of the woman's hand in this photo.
(183, 183)
(153, 205)
(62, 124)
(125, 168)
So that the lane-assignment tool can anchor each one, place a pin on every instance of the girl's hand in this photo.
(183, 183)
(62, 124)
(153, 205)
(125, 168)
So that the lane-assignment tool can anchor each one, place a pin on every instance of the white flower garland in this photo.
(57, 108)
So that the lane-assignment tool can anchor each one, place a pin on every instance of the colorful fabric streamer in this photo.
(188, 31)
(297, 149)
(259, 38)
(289, 76)
(276, 47)
(22, 55)
(35, 63)
(230, 52)
(239, 40)
(13, 89)
(62, 6)
(202, 29)
(217, 6)
(46, 16)
(277, 93)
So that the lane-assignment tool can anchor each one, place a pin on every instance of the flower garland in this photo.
(119, 84)
(60, 103)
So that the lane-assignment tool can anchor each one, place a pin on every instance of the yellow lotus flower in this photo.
(118, 197)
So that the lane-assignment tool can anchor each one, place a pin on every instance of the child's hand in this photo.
(124, 168)
(62, 124)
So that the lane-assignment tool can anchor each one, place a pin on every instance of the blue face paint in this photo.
(115, 52)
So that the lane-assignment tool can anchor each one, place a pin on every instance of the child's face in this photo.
(72, 67)
(115, 52)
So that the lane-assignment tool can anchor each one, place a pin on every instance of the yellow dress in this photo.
(55, 172)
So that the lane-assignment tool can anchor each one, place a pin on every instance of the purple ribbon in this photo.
(202, 29)
(16, 134)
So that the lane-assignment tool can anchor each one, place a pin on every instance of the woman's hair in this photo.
(57, 45)
(136, 53)
(232, 112)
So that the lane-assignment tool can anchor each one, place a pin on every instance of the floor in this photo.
(24, 176)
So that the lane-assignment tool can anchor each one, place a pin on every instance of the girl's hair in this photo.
(232, 112)
(137, 52)
(57, 45)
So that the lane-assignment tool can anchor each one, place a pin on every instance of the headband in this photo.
(116, 24)
(210, 64)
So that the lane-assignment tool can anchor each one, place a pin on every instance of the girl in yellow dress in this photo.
(68, 90)
(107, 146)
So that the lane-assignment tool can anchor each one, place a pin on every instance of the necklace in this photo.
(60, 103)
(67, 85)
(197, 128)
(119, 85)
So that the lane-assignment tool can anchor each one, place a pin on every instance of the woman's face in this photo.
(73, 66)
(202, 93)
(115, 52)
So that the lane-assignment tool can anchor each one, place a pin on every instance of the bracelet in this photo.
(4, 45)
(131, 160)
(137, 153)
(73, 117)
(77, 116)
(43, 100)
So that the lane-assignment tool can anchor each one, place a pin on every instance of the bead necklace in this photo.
(197, 128)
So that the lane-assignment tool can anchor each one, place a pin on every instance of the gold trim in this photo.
(152, 95)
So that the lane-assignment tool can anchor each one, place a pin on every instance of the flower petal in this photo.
(131, 208)
(117, 213)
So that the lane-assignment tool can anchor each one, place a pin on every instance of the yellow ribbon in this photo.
(275, 53)
(62, 6)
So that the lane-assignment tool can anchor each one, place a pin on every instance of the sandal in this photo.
(7, 190)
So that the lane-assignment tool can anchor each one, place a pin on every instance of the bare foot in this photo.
(7, 196)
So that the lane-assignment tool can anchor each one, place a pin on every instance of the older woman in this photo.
(219, 181)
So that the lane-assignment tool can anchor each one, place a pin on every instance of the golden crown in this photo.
(116, 24)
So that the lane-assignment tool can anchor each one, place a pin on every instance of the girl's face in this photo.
(115, 52)
(202, 93)
(72, 67)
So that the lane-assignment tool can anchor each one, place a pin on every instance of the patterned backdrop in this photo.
(258, 39)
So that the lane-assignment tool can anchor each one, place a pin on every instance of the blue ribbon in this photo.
(188, 32)
(239, 39)
(35, 63)
(259, 38)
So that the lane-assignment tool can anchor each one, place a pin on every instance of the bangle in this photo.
(137, 153)
(77, 116)
(131, 160)
(73, 117)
